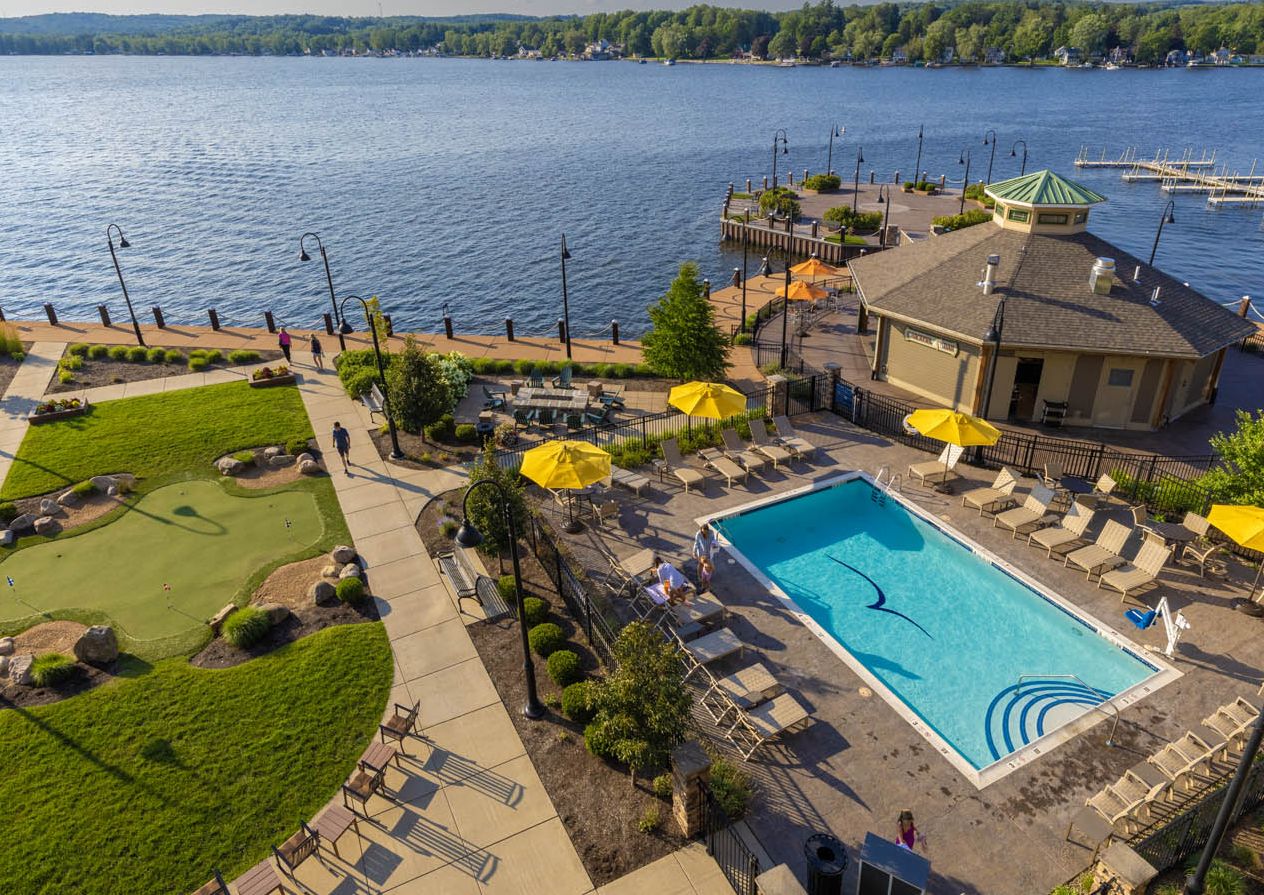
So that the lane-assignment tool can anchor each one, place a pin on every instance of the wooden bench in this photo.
(216, 886)
(471, 584)
(260, 879)
(374, 400)
(401, 725)
(297, 849)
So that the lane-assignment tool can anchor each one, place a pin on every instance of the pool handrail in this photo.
(1110, 740)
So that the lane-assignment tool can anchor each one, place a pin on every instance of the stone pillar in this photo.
(780, 397)
(690, 766)
(1130, 872)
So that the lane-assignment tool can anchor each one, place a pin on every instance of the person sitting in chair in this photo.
(675, 585)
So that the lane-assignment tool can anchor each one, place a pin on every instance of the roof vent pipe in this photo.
(1154, 296)
(989, 274)
(1102, 276)
(1136, 274)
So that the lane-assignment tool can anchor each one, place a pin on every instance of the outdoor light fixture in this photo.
(566, 305)
(990, 133)
(333, 301)
(785, 150)
(835, 131)
(345, 328)
(123, 244)
(855, 194)
(1014, 154)
(1168, 217)
(917, 174)
(964, 160)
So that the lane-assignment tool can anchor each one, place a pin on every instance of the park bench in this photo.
(401, 725)
(374, 400)
(471, 584)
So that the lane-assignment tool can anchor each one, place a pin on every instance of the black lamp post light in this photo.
(917, 173)
(740, 277)
(785, 312)
(989, 138)
(835, 131)
(964, 160)
(1168, 217)
(469, 536)
(1014, 154)
(785, 150)
(566, 305)
(329, 278)
(884, 198)
(345, 328)
(855, 187)
(123, 244)
(765, 270)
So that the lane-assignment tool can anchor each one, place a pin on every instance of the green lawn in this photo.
(143, 785)
(153, 435)
(194, 537)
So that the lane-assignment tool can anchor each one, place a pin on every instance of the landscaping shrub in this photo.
(960, 221)
(96, 352)
(576, 702)
(487, 513)
(564, 667)
(466, 432)
(483, 365)
(505, 584)
(51, 669)
(197, 364)
(743, 339)
(360, 382)
(1222, 878)
(296, 446)
(684, 341)
(243, 356)
(418, 388)
(197, 352)
(780, 200)
(350, 590)
(650, 820)
(10, 343)
(214, 356)
(663, 786)
(247, 457)
(77, 349)
(908, 184)
(534, 610)
(138, 354)
(976, 191)
(65, 377)
(823, 182)
(84, 488)
(8, 511)
(546, 639)
(118, 352)
(449, 528)
(523, 367)
(157, 355)
(627, 371)
(246, 626)
(861, 222)
(441, 429)
(926, 186)
(172, 356)
(730, 786)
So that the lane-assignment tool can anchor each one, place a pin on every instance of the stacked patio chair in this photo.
(676, 465)
(939, 470)
(997, 497)
(736, 449)
(1102, 554)
(791, 439)
(1067, 534)
(715, 459)
(1140, 574)
(1033, 514)
(762, 444)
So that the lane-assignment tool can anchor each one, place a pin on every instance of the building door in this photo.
(1022, 405)
(1115, 395)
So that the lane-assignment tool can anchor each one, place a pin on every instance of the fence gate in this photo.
(739, 864)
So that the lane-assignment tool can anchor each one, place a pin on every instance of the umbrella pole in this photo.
(573, 525)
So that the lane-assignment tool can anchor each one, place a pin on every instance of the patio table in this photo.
(638, 563)
(379, 756)
(564, 399)
(260, 879)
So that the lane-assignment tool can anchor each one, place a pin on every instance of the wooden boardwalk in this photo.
(1184, 174)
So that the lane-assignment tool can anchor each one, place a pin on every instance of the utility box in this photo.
(889, 869)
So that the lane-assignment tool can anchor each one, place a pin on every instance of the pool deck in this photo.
(860, 763)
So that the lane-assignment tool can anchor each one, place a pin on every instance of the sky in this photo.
(364, 7)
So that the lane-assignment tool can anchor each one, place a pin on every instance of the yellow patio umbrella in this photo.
(813, 267)
(1244, 524)
(712, 400)
(952, 426)
(801, 291)
(565, 464)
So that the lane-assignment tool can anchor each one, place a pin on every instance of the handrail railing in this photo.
(1110, 740)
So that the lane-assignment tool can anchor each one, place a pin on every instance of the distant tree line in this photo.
(1020, 30)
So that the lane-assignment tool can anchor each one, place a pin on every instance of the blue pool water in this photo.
(946, 631)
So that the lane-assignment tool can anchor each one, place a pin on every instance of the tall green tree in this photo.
(683, 341)
(416, 389)
(485, 507)
(1241, 478)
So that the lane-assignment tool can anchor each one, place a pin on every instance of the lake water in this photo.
(436, 181)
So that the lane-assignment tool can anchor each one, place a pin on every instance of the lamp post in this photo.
(964, 160)
(785, 312)
(345, 328)
(123, 244)
(993, 335)
(765, 270)
(991, 158)
(469, 536)
(745, 225)
(855, 187)
(917, 167)
(566, 305)
(1168, 217)
(1014, 154)
(785, 150)
(835, 131)
(884, 196)
(329, 278)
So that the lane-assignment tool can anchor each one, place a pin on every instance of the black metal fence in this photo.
(1174, 842)
(569, 584)
(739, 864)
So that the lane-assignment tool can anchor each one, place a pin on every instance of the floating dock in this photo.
(1183, 174)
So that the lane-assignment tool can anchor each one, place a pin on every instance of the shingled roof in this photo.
(1049, 303)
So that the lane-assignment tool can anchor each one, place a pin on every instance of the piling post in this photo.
(105, 314)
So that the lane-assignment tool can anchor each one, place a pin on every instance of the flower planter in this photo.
(36, 419)
(926, 192)
(285, 379)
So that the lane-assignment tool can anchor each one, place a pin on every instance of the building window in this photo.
(1019, 214)
(1081, 217)
(1119, 377)
(1052, 219)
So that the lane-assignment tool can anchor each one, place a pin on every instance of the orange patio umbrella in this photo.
(801, 291)
(813, 267)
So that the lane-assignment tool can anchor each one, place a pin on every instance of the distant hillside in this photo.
(71, 23)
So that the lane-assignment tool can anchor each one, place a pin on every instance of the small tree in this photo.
(684, 342)
(416, 388)
(642, 708)
(485, 509)
(1241, 478)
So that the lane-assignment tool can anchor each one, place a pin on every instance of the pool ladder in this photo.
(1110, 740)
(880, 491)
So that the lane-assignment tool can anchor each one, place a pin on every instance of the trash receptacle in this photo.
(827, 859)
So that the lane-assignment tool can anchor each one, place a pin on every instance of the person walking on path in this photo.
(318, 353)
(284, 341)
(342, 441)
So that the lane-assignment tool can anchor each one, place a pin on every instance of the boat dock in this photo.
(1185, 173)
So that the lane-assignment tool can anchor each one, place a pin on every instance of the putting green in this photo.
(164, 566)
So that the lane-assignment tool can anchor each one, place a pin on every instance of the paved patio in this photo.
(861, 763)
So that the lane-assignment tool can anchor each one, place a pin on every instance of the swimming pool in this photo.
(987, 664)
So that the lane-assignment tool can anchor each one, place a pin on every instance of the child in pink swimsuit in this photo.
(906, 835)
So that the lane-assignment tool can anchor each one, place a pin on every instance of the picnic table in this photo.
(566, 400)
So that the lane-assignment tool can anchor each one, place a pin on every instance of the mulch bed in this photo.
(9, 367)
(445, 507)
(219, 653)
(423, 454)
(595, 800)
(85, 678)
(104, 371)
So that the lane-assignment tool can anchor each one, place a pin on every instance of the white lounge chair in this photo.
(762, 443)
(743, 689)
(736, 449)
(1068, 534)
(1139, 574)
(697, 610)
(1034, 513)
(1103, 553)
(1183, 759)
(626, 478)
(1000, 495)
(676, 465)
(787, 435)
(718, 461)
(707, 649)
(938, 470)
(1103, 492)
(767, 721)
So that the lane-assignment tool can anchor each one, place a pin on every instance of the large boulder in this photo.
(280, 461)
(273, 451)
(50, 507)
(230, 466)
(6, 646)
(7, 537)
(342, 554)
(4, 666)
(217, 620)
(303, 457)
(309, 467)
(331, 570)
(68, 499)
(350, 570)
(47, 525)
(322, 593)
(276, 612)
(97, 645)
(104, 482)
(24, 522)
(20, 669)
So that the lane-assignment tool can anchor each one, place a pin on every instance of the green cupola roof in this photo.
(1043, 188)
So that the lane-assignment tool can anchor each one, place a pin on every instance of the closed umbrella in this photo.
(954, 427)
(566, 465)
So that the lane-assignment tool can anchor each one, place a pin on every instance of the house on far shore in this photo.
(993, 56)
(1088, 335)
(1067, 55)
(1176, 58)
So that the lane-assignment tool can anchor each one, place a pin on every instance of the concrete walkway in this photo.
(21, 397)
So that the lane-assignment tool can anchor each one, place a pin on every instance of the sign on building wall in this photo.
(947, 346)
